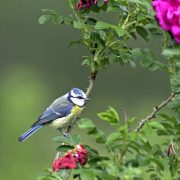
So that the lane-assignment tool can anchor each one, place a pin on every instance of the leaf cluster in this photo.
(107, 42)
(132, 155)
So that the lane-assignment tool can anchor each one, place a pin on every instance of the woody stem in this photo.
(153, 114)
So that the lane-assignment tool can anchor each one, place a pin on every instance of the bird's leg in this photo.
(65, 134)
(71, 125)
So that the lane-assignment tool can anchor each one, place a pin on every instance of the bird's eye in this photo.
(80, 97)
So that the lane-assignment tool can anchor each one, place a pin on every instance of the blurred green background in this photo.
(37, 66)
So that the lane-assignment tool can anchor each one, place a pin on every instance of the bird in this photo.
(60, 114)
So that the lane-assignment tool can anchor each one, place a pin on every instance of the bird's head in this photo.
(77, 97)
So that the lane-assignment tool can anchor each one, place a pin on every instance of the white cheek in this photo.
(79, 102)
(84, 96)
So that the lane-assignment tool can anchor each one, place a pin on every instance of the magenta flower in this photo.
(168, 16)
(87, 4)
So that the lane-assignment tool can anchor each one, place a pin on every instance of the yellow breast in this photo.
(76, 110)
(65, 121)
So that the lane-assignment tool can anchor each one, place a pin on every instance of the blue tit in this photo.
(61, 113)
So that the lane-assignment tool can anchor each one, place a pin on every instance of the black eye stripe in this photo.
(79, 97)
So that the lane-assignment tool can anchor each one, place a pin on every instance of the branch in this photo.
(154, 112)
(91, 83)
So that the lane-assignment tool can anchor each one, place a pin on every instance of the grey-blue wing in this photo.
(58, 109)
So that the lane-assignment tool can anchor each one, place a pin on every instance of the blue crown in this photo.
(77, 91)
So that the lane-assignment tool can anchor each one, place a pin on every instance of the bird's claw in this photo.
(67, 135)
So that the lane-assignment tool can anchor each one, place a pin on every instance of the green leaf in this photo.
(85, 174)
(147, 59)
(49, 178)
(143, 3)
(156, 150)
(57, 19)
(113, 137)
(158, 162)
(50, 15)
(72, 140)
(175, 104)
(91, 152)
(85, 123)
(95, 160)
(143, 160)
(76, 42)
(175, 82)
(80, 25)
(75, 139)
(102, 25)
(118, 29)
(171, 52)
(49, 175)
(64, 148)
(156, 125)
(112, 168)
(143, 32)
(110, 116)
(97, 134)
(44, 18)
(68, 20)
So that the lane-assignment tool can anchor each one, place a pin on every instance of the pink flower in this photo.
(81, 158)
(87, 4)
(168, 16)
(81, 154)
(66, 162)
(71, 159)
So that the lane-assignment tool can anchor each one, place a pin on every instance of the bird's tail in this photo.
(27, 134)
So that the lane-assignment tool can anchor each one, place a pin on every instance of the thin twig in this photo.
(154, 112)
(124, 114)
